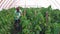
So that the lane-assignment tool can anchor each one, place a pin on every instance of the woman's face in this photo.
(17, 9)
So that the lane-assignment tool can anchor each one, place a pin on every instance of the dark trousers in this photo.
(17, 26)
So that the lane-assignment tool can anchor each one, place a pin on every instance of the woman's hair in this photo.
(17, 9)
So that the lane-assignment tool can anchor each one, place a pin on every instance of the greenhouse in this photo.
(38, 20)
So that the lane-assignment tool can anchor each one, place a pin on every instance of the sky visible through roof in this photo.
(29, 3)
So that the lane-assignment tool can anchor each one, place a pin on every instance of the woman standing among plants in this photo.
(17, 26)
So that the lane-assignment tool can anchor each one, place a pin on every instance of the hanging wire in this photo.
(25, 8)
(37, 4)
(25, 4)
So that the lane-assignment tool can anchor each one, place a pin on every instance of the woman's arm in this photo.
(20, 12)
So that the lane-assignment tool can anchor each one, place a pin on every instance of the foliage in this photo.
(33, 22)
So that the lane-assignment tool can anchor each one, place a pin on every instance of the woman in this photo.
(17, 26)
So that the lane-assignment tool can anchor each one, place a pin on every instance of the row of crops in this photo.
(33, 21)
